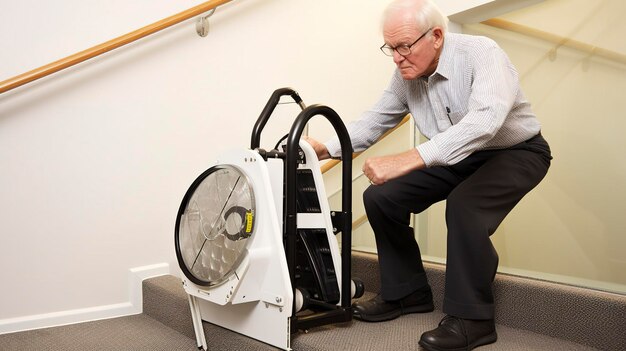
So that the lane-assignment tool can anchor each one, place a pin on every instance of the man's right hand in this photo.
(320, 149)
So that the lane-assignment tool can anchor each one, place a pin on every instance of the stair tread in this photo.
(137, 332)
(403, 334)
(142, 332)
(166, 323)
(399, 334)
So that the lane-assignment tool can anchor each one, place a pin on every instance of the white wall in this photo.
(96, 159)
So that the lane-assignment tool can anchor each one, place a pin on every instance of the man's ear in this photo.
(437, 37)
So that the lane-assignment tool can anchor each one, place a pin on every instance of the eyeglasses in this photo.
(403, 49)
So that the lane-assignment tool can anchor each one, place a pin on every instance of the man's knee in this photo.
(372, 196)
(464, 209)
(380, 199)
(460, 199)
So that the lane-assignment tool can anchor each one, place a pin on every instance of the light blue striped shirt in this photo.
(472, 102)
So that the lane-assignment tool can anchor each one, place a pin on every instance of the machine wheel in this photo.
(214, 223)
(302, 299)
(358, 288)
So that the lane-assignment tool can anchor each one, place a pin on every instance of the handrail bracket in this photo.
(202, 23)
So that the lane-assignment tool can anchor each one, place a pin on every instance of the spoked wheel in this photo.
(214, 223)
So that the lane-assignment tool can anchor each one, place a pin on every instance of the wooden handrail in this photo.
(556, 39)
(97, 50)
(332, 163)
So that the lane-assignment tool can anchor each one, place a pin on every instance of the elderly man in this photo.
(484, 153)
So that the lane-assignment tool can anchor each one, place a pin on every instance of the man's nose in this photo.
(397, 58)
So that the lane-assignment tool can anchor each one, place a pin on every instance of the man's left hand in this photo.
(382, 169)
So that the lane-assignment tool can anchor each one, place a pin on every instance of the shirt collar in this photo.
(445, 67)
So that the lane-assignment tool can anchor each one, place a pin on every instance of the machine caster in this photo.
(302, 300)
(357, 288)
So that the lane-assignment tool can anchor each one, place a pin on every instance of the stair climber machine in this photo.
(255, 238)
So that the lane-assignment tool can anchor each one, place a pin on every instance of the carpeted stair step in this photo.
(531, 316)
(579, 315)
(137, 333)
(399, 334)
(165, 300)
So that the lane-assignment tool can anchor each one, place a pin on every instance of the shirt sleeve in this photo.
(493, 92)
(384, 115)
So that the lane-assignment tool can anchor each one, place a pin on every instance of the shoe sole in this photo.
(395, 313)
(485, 340)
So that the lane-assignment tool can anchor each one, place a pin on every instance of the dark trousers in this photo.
(480, 191)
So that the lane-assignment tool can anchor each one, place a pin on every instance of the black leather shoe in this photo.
(456, 334)
(378, 310)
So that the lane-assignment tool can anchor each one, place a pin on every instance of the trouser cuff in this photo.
(390, 292)
(468, 311)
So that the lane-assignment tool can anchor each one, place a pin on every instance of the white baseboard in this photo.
(134, 306)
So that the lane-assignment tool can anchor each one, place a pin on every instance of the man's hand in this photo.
(382, 169)
(320, 149)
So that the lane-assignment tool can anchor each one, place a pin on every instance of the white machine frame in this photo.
(257, 299)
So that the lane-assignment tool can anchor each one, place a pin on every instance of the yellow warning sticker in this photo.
(249, 218)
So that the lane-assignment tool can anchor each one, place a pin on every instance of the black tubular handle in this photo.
(267, 111)
(291, 226)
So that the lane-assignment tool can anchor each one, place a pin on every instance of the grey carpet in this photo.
(530, 315)
(584, 316)
(143, 333)
(580, 315)
(132, 333)
(403, 334)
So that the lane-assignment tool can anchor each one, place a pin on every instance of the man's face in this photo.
(422, 60)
